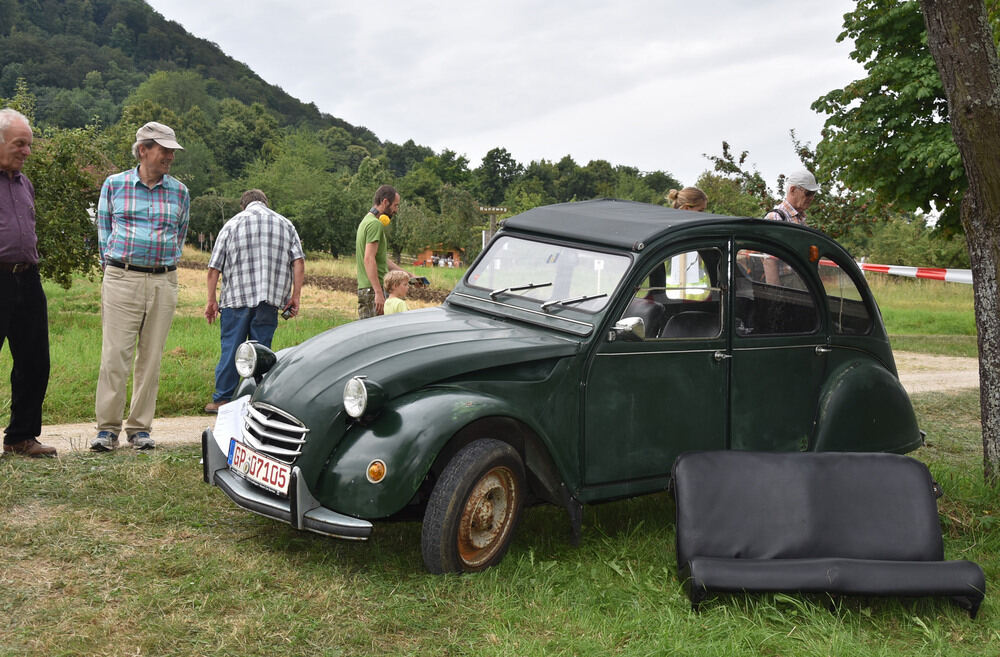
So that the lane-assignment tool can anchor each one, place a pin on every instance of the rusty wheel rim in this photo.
(487, 517)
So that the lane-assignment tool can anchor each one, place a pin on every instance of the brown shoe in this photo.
(213, 407)
(30, 447)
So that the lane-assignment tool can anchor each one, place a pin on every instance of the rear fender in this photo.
(864, 408)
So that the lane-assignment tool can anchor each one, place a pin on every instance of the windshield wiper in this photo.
(566, 302)
(530, 286)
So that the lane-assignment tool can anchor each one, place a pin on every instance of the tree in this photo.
(725, 196)
(889, 132)
(403, 158)
(329, 223)
(209, 213)
(243, 134)
(962, 45)
(449, 167)
(178, 90)
(497, 172)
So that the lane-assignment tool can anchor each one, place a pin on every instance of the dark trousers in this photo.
(24, 326)
(237, 326)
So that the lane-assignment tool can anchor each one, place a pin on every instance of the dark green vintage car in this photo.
(588, 346)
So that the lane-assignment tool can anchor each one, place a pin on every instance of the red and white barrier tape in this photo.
(934, 273)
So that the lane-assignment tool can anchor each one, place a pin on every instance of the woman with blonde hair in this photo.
(689, 198)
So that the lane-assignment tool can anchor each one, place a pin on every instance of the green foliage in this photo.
(401, 159)
(67, 169)
(497, 172)
(899, 241)
(209, 212)
(179, 91)
(243, 134)
(329, 221)
(889, 132)
(725, 196)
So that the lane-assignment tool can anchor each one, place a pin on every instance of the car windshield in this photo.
(548, 273)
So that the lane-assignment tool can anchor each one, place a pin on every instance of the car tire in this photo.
(473, 509)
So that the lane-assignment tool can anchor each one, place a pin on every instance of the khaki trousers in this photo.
(136, 312)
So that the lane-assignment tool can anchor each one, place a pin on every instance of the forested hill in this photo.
(83, 58)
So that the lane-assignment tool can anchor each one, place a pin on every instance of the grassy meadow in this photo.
(130, 554)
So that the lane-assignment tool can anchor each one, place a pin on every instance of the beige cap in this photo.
(161, 134)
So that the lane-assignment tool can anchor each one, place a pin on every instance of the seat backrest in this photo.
(651, 312)
(692, 324)
(757, 505)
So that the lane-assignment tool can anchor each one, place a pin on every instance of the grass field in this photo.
(130, 554)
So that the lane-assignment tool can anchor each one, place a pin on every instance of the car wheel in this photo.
(473, 508)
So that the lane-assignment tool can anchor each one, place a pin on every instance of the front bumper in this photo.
(301, 510)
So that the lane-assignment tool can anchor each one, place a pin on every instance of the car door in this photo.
(779, 350)
(648, 399)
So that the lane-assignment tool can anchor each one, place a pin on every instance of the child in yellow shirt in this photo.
(396, 285)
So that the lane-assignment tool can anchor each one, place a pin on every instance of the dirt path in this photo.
(918, 372)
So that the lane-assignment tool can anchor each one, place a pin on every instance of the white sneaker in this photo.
(104, 442)
(141, 440)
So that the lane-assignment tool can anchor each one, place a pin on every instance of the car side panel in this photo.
(863, 407)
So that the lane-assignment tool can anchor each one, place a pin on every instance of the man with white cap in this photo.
(802, 190)
(142, 219)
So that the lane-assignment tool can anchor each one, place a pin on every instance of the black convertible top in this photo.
(611, 222)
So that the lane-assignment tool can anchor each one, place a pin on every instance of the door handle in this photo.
(820, 350)
(721, 356)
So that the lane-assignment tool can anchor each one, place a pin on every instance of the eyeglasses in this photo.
(809, 194)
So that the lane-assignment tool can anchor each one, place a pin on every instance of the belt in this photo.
(162, 269)
(17, 267)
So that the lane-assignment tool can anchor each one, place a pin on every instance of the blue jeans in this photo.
(238, 325)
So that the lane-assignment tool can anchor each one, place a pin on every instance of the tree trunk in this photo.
(962, 46)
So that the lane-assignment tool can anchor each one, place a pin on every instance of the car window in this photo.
(770, 297)
(680, 297)
(560, 275)
(848, 313)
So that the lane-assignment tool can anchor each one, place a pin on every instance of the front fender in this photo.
(407, 435)
(864, 408)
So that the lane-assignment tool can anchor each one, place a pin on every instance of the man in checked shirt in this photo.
(142, 219)
(261, 258)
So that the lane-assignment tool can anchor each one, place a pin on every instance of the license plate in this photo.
(258, 468)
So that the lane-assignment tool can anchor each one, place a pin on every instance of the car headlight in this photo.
(362, 396)
(253, 359)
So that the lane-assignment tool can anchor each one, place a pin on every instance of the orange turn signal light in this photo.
(813, 253)
(376, 471)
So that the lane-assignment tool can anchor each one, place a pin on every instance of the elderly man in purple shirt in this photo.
(24, 320)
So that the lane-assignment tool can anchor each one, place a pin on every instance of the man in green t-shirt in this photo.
(371, 252)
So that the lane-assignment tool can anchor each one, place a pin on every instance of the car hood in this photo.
(403, 352)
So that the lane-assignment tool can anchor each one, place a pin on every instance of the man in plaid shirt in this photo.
(142, 219)
(261, 255)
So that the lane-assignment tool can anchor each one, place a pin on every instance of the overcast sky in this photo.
(648, 83)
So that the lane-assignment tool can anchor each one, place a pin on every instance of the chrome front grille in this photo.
(273, 432)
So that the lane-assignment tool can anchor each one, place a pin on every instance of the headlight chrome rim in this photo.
(246, 360)
(356, 397)
(254, 360)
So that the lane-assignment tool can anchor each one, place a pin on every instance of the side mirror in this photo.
(632, 329)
